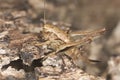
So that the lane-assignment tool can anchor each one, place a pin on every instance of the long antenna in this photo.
(44, 12)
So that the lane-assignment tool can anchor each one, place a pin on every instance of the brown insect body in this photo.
(65, 44)
(58, 32)
(53, 33)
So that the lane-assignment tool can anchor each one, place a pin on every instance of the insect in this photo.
(61, 42)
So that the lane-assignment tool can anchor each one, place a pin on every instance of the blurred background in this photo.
(81, 15)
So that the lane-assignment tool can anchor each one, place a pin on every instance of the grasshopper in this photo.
(53, 33)
(67, 46)
(89, 37)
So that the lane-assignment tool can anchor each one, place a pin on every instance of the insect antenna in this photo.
(44, 13)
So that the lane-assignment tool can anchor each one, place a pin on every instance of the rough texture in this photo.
(33, 56)
(24, 46)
